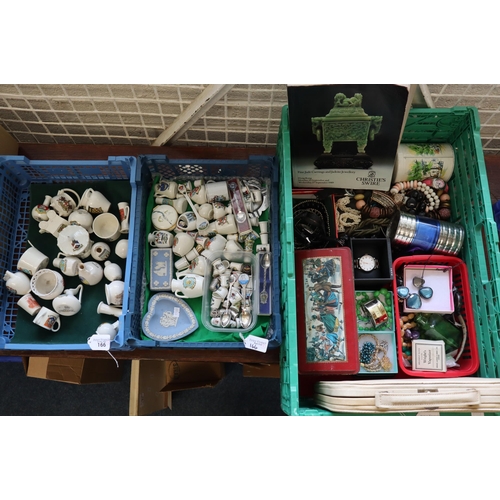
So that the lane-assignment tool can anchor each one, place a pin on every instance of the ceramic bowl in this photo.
(73, 240)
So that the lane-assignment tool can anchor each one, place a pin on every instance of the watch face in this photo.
(438, 183)
(164, 217)
(366, 263)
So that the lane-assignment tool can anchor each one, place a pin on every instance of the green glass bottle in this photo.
(434, 326)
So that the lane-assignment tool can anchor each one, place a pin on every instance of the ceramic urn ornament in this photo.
(90, 273)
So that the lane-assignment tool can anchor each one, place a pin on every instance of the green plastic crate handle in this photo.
(290, 247)
(491, 268)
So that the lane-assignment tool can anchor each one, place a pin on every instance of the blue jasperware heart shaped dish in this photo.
(168, 318)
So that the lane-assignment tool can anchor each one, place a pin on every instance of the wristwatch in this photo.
(366, 263)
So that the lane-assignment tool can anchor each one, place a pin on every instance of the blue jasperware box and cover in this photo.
(20, 179)
(154, 166)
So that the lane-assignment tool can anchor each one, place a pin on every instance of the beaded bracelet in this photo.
(364, 321)
(433, 200)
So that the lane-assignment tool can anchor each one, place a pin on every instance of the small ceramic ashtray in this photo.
(161, 269)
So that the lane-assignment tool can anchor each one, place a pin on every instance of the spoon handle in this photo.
(265, 288)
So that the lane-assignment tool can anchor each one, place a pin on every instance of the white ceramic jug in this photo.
(67, 304)
(67, 265)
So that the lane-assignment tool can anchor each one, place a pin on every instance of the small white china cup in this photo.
(29, 304)
(183, 243)
(216, 191)
(106, 226)
(199, 194)
(48, 319)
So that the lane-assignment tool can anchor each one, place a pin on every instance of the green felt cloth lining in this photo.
(74, 329)
(201, 334)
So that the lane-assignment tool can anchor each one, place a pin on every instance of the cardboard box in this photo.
(346, 135)
(8, 145)
(153, 381)
(261, 370)
(73, 370)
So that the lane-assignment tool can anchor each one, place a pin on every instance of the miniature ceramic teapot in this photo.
(39, 212)
(110, 329)
(17, 283)
(90, 273)
(67, 265)
(63, 203)
(68, 304)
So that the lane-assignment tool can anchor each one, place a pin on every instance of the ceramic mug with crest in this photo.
(94, 202)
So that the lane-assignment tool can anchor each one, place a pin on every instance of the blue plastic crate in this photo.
(17, 173)
(152, 165)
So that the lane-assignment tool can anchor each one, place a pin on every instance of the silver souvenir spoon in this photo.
(201, 222)
(266, 264)
(243, 280)
(245, 318)
(225, 319)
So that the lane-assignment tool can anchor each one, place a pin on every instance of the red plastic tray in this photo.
(469, 361)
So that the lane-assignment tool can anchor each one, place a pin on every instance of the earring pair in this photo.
(414, 300)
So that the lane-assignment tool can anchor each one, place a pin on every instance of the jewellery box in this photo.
(326, 316)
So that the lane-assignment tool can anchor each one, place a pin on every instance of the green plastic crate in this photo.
(471, 208)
